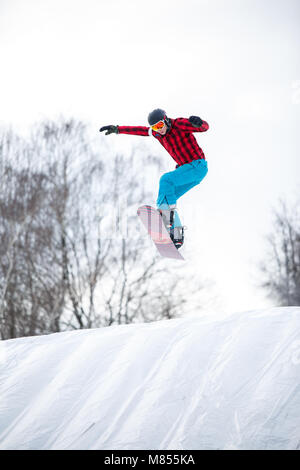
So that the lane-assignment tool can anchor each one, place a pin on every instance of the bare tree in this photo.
(281, 269)
(25, 268)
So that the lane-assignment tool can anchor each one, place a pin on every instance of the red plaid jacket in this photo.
(178, 141)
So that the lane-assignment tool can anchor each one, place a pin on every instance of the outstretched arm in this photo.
(193, 124)
(132, 130)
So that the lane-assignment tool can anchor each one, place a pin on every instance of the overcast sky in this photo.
(235, 63)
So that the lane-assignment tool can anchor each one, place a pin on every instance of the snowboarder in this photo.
(176, 136)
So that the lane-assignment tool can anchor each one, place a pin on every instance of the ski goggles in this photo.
(158, 125)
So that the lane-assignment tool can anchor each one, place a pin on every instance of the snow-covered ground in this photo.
(208, 382)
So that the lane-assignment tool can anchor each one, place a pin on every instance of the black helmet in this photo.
(158, 115)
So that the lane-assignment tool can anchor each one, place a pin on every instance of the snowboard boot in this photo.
(177, 236)
(176, 233)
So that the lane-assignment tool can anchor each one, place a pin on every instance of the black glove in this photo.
(195, 121)
(109, 129)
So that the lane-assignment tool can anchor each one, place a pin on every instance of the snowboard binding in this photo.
(176, 233)
(177, 236)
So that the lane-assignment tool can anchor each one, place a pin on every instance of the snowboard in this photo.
(153, 223)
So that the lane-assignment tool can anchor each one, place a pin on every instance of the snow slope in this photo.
(192, 383)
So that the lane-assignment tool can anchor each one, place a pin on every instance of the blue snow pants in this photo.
(174, 184)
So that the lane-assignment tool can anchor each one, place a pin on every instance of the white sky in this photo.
(236, 63)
